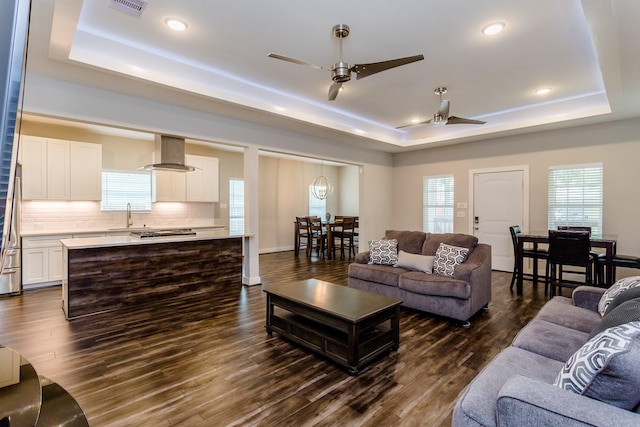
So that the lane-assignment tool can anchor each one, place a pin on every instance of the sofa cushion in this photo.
(477, 405)
(626, 312)
(433, 240)
(416, 262)
(550, 340)
(447, 258)
(383, 274)
(383, 252)
(561, 311)
(606, 367)
(408, 241)
(433, 284)
(617, 288)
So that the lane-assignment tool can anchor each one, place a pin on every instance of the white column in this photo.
(251, 264)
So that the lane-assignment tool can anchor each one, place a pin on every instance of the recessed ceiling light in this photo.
(415, 121)
(494, 28)
(176, 24)
(543, 91)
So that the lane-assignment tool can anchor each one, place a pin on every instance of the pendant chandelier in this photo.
(321, 187)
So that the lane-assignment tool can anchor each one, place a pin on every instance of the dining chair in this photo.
(302, 235)
(569, 248)
(625, 261)
(344, 234)
(535, 254)
(594, 255)
(317, 236)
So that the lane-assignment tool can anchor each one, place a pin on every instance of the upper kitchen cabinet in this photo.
(85, 171)
(54, 169)
(200, 185)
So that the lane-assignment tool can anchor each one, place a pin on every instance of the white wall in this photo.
(615, 144)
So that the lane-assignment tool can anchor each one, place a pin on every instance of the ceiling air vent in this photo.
(130, 7)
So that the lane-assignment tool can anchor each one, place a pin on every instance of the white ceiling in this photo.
(587, 52)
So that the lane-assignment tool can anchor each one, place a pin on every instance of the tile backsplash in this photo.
(51, 215)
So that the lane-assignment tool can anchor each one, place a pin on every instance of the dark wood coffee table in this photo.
(349, 326)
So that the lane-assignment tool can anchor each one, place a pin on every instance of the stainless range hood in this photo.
(170, 155)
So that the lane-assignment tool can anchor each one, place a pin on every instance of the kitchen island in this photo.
(106, 273)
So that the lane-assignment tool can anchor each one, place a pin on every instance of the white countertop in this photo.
(99, 242)
(53, 232)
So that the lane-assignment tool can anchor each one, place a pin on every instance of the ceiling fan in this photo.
(341, 71)
(442, 115)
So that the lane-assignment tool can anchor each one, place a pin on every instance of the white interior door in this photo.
(498, 203)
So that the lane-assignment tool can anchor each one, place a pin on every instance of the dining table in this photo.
(606, 241)
(330, 228)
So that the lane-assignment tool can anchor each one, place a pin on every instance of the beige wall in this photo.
(616, 145)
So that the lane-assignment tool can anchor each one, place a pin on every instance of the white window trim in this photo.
(424, 201)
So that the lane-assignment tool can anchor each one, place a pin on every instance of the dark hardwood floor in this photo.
(206, 360)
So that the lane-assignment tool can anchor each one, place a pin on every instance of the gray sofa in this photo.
(517, 387)
(458, 297)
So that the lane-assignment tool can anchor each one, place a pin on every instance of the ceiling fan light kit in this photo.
(341, 70)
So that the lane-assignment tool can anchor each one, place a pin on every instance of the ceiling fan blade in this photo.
(365, 70)
(334, 89)
(426, 122)
(295, 61)
(453, 120)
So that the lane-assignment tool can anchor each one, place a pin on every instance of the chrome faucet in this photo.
(129, 219)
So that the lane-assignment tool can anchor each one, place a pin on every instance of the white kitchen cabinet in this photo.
(202, 184)
(57, 169)
(54, 169)
(85, 171)
(34, 167)
(42, 259)
(169, 186)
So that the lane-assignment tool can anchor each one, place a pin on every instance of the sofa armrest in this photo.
(526, 401)
(477, 259)
(362, 258)
(587, 297)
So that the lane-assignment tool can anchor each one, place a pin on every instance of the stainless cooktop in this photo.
(162, 233)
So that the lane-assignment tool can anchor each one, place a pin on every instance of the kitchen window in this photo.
(122, 187)
(437, 204)
(236, 206)
(575, 196)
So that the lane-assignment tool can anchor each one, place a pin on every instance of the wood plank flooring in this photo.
(206, 359)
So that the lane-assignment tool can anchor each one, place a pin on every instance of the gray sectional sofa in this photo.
(521, 386)
(459, 296)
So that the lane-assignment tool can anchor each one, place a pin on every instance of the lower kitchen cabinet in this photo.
(42, 259)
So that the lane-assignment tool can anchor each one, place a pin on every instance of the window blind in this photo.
(236, 206)
(575, 197)
(317, 207)
(122, 187)
(437, 197)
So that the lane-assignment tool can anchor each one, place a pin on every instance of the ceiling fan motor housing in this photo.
(340, 72)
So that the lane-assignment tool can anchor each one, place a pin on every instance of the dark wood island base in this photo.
(99, 279)
(349, 326)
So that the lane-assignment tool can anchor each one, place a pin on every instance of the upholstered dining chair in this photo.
(625, 261)
(534, 254)
(594, 255)
(569, 248)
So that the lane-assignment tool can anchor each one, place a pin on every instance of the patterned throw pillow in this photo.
(617, 288)
(447, 257)
(383, 252)
(606, 367)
